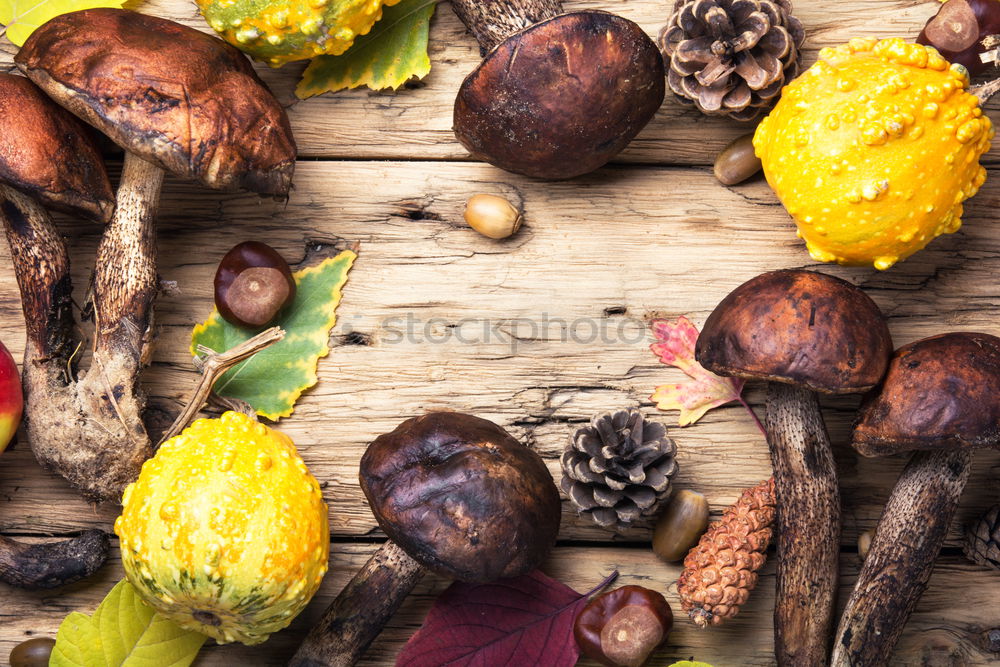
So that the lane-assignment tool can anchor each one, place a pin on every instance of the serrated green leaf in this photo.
(387, 57)
(20, 18)
(123, 632)
(274, 378)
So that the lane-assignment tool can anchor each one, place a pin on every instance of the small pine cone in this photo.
(618, 468)
(721, 571)
(731, 57)
(982, 539)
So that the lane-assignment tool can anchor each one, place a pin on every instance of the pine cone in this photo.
(618, 468)
(982, 539)
(731, 57)
(721, 571)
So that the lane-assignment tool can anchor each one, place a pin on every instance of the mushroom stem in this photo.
(493, 21)
(808, 525)
(907, 540)
(51, 564)
(356, 617)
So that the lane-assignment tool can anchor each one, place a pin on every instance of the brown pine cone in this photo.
(731, 57)
(982, 540)
(618, 468)
(721, 571)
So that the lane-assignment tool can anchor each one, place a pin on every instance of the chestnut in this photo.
(959, 29)
(32, 653)
(252, 285)
(622, 628)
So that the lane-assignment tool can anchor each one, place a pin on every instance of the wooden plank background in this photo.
(435, 316)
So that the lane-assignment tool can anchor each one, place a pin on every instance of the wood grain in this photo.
(415, 124)
(586, 247)
(948, 627)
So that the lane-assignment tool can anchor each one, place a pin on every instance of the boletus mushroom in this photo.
(938, 398)
(557, 95)
(803, 333)
(177, 100)
(47, 158)
(457, 495)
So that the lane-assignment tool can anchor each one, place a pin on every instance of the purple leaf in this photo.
(523, 621)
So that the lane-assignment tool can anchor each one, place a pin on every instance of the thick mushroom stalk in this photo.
(803, 332)
(54, 162)
(456, 495)
(557, 95)
(176, 100)
(939, 397)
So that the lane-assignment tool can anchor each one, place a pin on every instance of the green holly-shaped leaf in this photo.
(20, 18)
(124, 632)
(387, 57)
(274, 378)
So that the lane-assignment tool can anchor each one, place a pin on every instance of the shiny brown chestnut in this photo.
(958, 29)
(622, 628)
(253, 284)
(34, 652)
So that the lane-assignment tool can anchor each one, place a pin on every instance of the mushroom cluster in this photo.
(176, 100)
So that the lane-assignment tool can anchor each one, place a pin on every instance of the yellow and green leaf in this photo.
(387, 57)
(20, 18)
(123, 631)
(274, 378)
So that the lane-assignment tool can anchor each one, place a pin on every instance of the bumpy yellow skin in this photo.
(225, 532)
(280, 31)
(874, 149)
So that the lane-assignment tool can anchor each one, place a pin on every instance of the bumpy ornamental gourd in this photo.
(285, 30)
(225, 532)
(874, 149)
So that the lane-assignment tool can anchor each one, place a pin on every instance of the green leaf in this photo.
(688, 663)
(274, 378)
(21, 17)
(123, 632)
(387, 57)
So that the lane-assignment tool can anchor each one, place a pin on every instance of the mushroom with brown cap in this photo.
(177, 100)
(47, 157)
(939, 397)
(557, 95)
(802, 332)
(457, 495)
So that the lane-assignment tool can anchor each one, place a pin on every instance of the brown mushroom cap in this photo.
(798, 327)
(183, 100)
(941, 392)
(561, 97)
(46, 153)
(462, 497)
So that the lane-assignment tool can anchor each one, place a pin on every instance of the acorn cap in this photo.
(939, 393)
(462, 497)
(47, 154)
(561, 97)
(183, 100)
(801, 328)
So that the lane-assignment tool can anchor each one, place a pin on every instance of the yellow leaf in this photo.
(20, 18)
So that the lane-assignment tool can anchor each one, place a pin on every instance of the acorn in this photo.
(492, 216)
(680, 526)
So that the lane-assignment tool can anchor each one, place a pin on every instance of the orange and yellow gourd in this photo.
(873, 150)
(280, 31)
(225, 532)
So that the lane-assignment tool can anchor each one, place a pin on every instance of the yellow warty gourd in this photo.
(280, 31)
(873, 150)
(225, 532)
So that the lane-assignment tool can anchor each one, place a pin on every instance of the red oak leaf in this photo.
(527, 620)
(675, 346)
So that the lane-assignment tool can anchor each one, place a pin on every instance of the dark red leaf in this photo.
(523, 621)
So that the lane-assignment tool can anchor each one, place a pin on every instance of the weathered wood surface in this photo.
(675, 243)
(640, 239)
(947, 629)
(416, 124)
